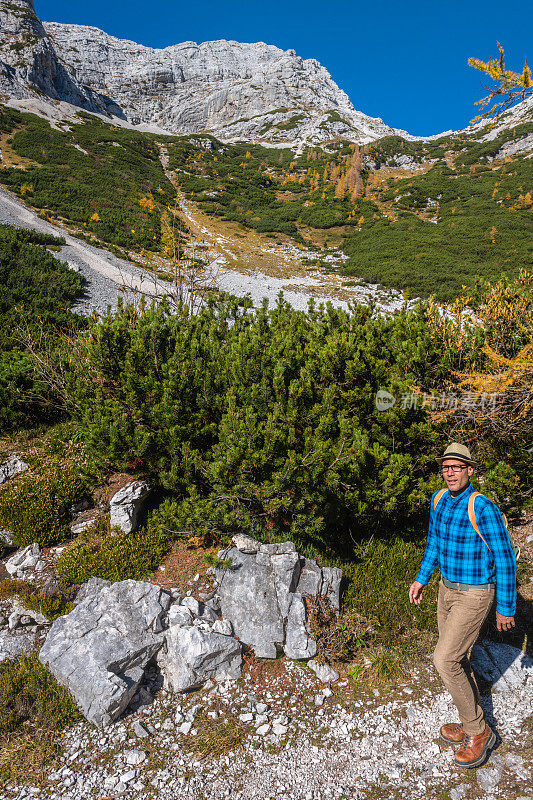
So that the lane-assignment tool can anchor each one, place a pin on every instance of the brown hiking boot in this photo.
(452, 733)
(473, 750)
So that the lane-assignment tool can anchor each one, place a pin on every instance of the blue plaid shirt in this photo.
(461, 553)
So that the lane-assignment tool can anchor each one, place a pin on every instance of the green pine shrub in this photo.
(36, 506)
(482, 232)
(36, 291)
(263, 421)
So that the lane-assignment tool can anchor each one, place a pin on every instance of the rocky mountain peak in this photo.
(29, 65)
(233, 90)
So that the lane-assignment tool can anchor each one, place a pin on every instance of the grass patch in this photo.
(338, 638)
(115, 555)
(379, 581)
(215, 737)
(34, 709)
(52, 605)
(378, 634)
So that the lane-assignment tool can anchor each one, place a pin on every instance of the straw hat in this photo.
(457, 450)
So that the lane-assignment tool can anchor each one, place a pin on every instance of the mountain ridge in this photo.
(232, 90)
(235, 91)
(30, 66)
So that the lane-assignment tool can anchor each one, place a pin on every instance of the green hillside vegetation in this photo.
(484, 228)
(466, 222)
(265, 421)
(481, 151)
(107, 180)
(464, 219)
(387, 147)
(268, 189)
(36, 291)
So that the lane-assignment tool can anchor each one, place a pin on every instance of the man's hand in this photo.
(415, 593)
(503, 623)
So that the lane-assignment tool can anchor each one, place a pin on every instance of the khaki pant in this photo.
(460, 615)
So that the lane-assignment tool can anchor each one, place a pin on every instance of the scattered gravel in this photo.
(289, 750)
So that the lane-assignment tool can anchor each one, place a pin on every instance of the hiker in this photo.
(468, 540)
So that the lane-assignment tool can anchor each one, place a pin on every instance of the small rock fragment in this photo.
(140, 730)
(324, 672)
(223, 626)
(488, 778)
(78, 527)
(10, 467)
(185, 728)
(126, 504)
(23, 559)
(458, 792)
(192, 604)
(278, 728)
(180, 615)
(245, 543)
(23, 616)
(134, 757)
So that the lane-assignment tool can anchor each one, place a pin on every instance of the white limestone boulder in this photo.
(99, 650)
(10, 467)
(23, 560)
(298, 640)
(248, 600)
(193, 655)
(125, 505)
(262, 594)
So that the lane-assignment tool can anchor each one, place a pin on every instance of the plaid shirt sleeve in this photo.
(431, 553)
(492, 527)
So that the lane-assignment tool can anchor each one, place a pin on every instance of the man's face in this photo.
(456, 479)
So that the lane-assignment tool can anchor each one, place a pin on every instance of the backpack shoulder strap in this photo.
(472, 514)
(472, 517)
(438, 498)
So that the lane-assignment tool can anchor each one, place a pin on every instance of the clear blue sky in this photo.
(405, 62)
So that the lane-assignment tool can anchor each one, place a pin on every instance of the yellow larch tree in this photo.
(510, 86)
